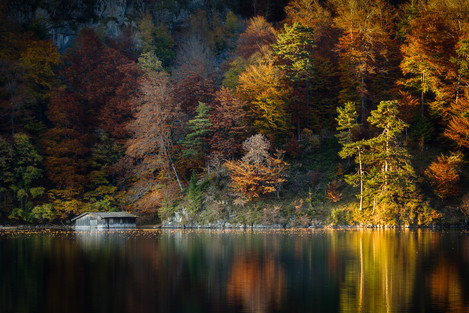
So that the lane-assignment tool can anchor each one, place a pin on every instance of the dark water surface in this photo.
(235, 271)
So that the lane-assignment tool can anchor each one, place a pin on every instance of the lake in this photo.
(235, 271)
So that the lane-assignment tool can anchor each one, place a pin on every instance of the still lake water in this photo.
(235, 271)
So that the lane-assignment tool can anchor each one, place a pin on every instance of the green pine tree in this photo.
(294, 50)
(391, 182)
(195, 141)
(347, 122)
(294, 54)
(388, 184)
(194, 194)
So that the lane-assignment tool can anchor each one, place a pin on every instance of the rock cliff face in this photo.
(63, 19)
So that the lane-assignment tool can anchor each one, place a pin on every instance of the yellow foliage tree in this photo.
(261, 86)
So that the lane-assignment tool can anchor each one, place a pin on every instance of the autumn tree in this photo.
(262, 88)
(105, 80)
(317, 16)
(66, 152)
(258, 33)
(229, 124)
(426, 64)
(40, 61)
(100, 82)
(365, 47)
(102, 193)
(324, 87)
(458, 125)
(444, 175)
(252, 44)
(151, 146)
(257, 173)
(28, 72)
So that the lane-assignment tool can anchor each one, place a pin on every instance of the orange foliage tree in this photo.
(257, 173)
(365, 47)
(429, 46)
(458, 127)
(258, 33)
(444, 175)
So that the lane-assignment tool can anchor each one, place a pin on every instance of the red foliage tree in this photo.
(105, 79)
(228, 117)
(66, 142)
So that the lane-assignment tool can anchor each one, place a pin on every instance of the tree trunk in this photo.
(362, 87)
(386, 162)
(307, 103)
(361, 178)
(176, 173)
(174, 168)
(421, 96)
(12, 119)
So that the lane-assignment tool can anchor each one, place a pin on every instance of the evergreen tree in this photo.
(390, 183)
(195, 141)
(294, 53)
(294, 50)
(347, 122)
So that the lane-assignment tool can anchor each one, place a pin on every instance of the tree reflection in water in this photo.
(238, 271)
(256, 282)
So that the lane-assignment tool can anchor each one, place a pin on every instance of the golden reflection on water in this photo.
(381, 275)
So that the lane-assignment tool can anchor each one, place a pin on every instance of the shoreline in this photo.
(259, 227)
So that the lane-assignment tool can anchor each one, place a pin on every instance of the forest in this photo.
(343, 112)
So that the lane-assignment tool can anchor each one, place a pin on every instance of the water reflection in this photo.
(256, 282)
(216, 271)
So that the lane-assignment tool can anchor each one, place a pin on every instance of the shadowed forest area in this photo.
(293, 113)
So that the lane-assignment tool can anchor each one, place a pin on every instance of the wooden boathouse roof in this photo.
(105, 215)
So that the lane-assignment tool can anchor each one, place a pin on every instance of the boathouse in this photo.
(105, 220)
